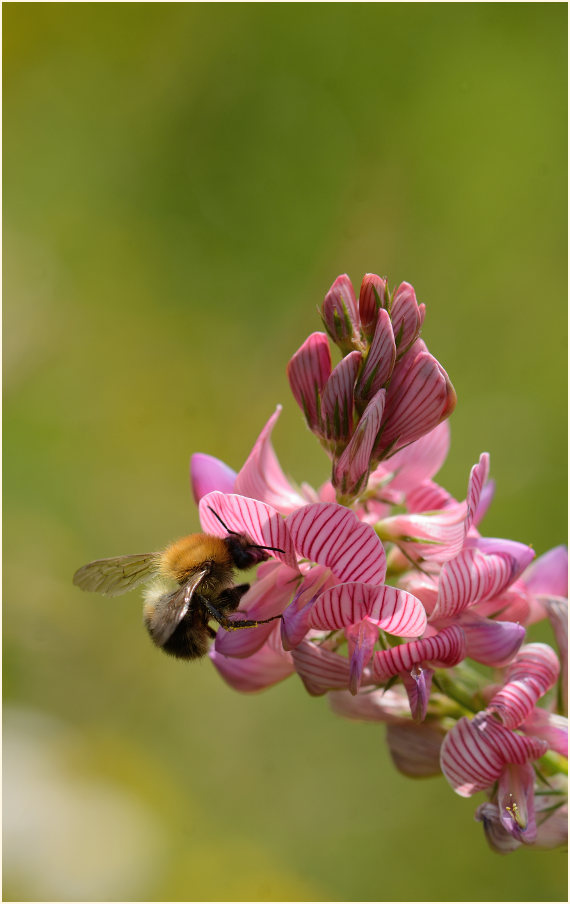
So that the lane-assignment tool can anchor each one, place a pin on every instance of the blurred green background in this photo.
(182, 183)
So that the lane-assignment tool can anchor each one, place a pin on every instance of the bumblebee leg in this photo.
(229, 599)
(230, 625)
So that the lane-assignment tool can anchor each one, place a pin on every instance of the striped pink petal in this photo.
(340, 313)
(491, 642)
(430, 497)
(407, 316)
(475, 752)
(429, 535)
(557, 611)
(384, 705)
(265, 667)
(332, 535)
(418, 686)
(519, 554)
(361, 637)
(394, 611)
(337, 400)
(261, 476)
(320, 669)
(531, 674)
(308, 371)
(351, 470)
(415, 748)
(295, 621)
(477, 479)
(380, 360)
(256, 520)
(420, 460)
(445, 649)
(485, 500)
(551, 727)
(418, 398)
(208, 473)
(469, 577)
(372, 297)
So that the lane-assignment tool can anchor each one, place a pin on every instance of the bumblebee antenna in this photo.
(237, 534)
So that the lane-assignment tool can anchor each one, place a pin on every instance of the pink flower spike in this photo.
(340, 314)
(261, 476)
(407, 317)
(308, 371)
(361, 639)
(491, 642)
(380, 360)
(475, 752)
(208, 473)
(350, 472)
(444, 649)
(332, 535)
(515, 796)
(531, 674)
(265, 667)
(415, 748)
(337, 401)
(372, 298)
(394, 611)
(418, 686)
(256, 520)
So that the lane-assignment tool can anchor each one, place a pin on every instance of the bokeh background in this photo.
(182, 183)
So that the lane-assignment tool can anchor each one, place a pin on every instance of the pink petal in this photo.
(308, 371)
(372, 298)
(531, 674)
(295, 622)
(485, 499)
(551, 727)
(337, 401)
(498, 838)
(469, 577)
(548, 575)
(557, 610)
(256, 520)
(491, 642)
(208, 473)
(418, 686)
(340, 312)
(320, 669)
(332, 535)
(361, 639)
(382, 705)
(430, 497)
(420, 460)
(261, 476)
(406, 316)
(474, 753)
(264, 668)
(519, 554)
(393, 610)
(431, 535)
(446, 648)
(515, 797)
(380, 360)
(415, 748)
(477, 479)
(351, 469)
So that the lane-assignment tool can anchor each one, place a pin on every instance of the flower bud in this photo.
(340, 315)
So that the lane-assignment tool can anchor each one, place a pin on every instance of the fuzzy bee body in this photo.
(193, 584)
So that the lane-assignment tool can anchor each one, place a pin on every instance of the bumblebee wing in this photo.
(118, 574)
(172, 609)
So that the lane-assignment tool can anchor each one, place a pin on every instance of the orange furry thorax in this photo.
(182, 558)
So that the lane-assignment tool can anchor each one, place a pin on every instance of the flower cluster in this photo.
(389, 595)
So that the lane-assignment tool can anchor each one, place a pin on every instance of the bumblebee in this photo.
(193, 584)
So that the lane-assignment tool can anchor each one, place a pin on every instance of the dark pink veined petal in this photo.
(477, 479)
(407, 316)
(261, 476)
(351, 469)
(295, 622)
(372, 298)
(361, 639)
(415, 748)
(446, 648)
(419, 461)
(531, 674)
(320, 669)
(548, 575)
(340, 313)
(515, 797)
(511, 604)
(332, 535)
(551, 727)
(383, 705)
(308, 371)
(380, 360)
(208, 473)
(418, 686)
(337, 400)
(429, 497)
(475, 752)
(469, 577)
(491, 642)
(520, 554)
(418, 399)
(267, 666)
(256, 520)
(394, 611)
(485, 500)
(427, 535)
